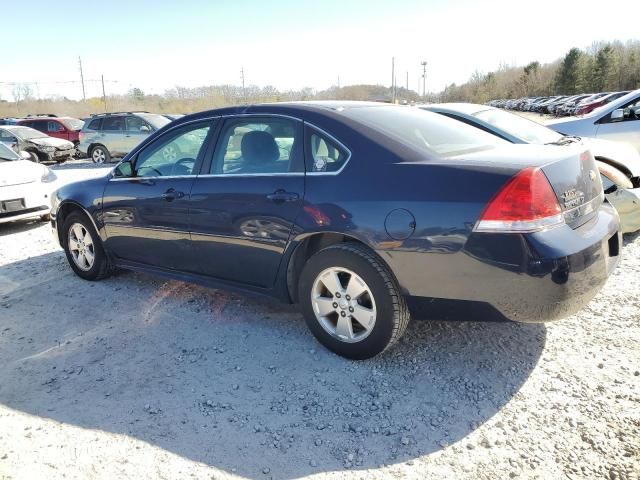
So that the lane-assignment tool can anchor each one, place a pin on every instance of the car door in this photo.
(55, 129)
(112, 135)
(136, 130)
(146, 202)
(626, 129)
(245, 204)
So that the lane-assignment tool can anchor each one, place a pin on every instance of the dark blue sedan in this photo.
(358, 212)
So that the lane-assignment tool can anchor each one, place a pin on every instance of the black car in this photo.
(356, 211)
(39, 146)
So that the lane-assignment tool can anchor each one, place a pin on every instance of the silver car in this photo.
(111, 135)
(618, 120)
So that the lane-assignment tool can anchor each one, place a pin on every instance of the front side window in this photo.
(135, 124)
(113, 124)
(258, 146)
(324, 154)
(632, 111)
(7, 137)
(175, 153)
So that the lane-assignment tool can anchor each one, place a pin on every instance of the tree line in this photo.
(604, 66)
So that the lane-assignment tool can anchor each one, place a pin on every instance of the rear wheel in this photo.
(351, 301)
(83, 248)
(100, 154)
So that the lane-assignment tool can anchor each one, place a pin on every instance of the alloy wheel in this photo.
(81, 247)
(343, 304)
(98, 155)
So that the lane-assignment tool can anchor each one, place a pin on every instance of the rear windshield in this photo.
(427, 131)
(72, 123)
(157, 121)
(523, 128)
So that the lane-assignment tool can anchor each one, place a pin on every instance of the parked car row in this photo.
(559, 105)
(99, 137)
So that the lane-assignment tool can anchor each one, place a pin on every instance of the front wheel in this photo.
(351, 301)
(83, 248)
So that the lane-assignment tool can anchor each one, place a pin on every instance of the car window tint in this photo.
(326, 155)
(95, 124)
(135, 123)
(53, 127)
(5, 136)
(257, 147)
(175, 153)
(113, 124)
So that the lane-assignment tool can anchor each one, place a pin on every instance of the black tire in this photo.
(101, 266)
(392, 315)
(95, 156)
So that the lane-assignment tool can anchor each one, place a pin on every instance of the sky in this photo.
(290, 44)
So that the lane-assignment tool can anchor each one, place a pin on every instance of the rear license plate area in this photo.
(7, 206)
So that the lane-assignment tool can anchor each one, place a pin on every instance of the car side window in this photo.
(632, 111)
(113, 124)
(175, 153)
(325, 155)
(258, 146)
(95, 124)
(54, 127)
(7, 137)
(135, 124)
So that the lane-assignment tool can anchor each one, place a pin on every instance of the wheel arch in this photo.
(309, 244)
(67, 208)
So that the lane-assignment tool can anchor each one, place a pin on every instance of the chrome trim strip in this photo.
(168, 177)
(222, 175)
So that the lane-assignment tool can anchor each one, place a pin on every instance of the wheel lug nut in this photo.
(335, 305)
(337, 294)
(342, 313)
(348, 297)
(351, 309)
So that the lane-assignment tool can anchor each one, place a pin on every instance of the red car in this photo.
(66, 128)
(591, 106)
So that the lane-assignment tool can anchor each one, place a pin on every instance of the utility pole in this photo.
(104, 94)
(424, 78)
(244, 92)
(84, 95)
(393, 79)
(338, 81)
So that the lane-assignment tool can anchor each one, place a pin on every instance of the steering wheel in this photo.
(151, 168)
(184, 165)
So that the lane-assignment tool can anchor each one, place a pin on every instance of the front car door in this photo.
(146, 202)
(136, 130)
(245, 204)
(626, 129)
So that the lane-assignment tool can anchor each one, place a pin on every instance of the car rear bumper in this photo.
(18, 202)
(534, 277)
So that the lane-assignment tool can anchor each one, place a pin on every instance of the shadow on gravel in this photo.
(239, 383)
(19, 226)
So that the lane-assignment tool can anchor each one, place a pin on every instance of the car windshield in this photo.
(523, 128)
(427, 131)
(6, 154)
(72, 123)
(157, 121)
(26, 133)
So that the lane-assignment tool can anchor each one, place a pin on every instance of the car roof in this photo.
(466, 108)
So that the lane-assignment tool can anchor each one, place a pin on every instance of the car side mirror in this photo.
(25, 155)
(123, 170)
(145, 129)
(617, 115)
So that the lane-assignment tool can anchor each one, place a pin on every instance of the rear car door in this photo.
(112, 135)
(146, 202)
(625, 130)
(245, 204)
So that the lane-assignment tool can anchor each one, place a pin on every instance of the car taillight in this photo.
(526, 203)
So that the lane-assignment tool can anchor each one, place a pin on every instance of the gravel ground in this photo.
(136, 377)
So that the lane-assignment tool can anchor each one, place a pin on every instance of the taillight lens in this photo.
(526, 203)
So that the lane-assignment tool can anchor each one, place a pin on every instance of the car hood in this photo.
(19, 172)
(52, 142)
(619, 153)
